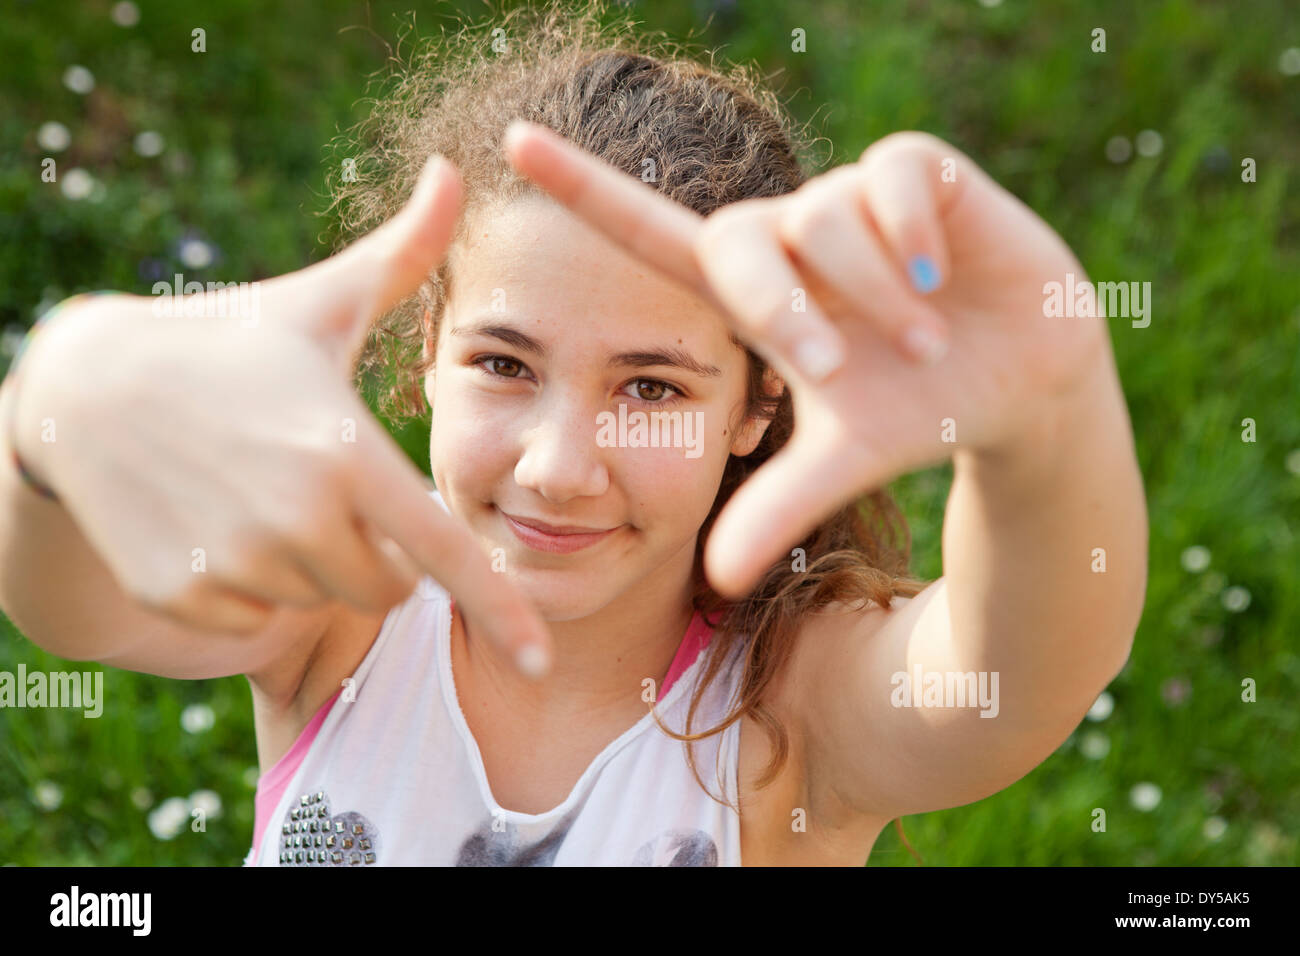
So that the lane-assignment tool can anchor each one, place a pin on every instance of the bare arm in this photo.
(61, 595)
(224, 492)
(1026, 401)
(1023, 597)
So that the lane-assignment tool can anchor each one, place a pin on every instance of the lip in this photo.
(564, 539)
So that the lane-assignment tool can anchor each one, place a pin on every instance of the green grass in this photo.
(1016, 87)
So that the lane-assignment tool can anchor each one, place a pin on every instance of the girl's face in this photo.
(548, 330)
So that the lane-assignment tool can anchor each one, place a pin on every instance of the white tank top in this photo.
(394, 777)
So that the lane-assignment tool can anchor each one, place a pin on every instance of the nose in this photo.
(561, 459)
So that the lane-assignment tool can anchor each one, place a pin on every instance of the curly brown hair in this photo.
(716, 136)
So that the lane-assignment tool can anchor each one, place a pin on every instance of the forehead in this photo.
(533, 259)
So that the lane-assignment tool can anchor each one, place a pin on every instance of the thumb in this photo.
(768, 515)
(335, 301)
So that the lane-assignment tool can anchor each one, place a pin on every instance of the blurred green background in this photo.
(213, 165)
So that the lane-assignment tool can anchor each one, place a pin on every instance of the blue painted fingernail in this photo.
(924, 274)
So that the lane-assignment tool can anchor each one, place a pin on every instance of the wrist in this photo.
(13, 459)
(1064, 425)
(26, 455)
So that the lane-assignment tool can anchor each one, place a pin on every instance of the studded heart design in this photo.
(312, 836)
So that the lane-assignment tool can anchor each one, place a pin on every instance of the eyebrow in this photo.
(640, 358)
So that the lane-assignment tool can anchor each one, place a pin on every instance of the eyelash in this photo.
(677, 394)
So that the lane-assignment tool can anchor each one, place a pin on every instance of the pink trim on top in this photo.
(272, 784)
(697, 638)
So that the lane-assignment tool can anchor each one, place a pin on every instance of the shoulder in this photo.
(826, 645)
(823, 644)
(830, 632)
(834, 832)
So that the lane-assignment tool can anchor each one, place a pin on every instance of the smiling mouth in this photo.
(562, 539)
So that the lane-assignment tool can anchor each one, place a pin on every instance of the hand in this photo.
(249, 442)
(848, 240)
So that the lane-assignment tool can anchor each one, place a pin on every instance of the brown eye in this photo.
(657, 390)
(498, 360)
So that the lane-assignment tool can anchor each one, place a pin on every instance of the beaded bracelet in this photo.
(12, 380)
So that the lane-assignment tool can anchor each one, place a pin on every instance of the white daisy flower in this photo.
(125, 14)
(196, 718)
(47, 795)
(77, 183)
(167, 819)
(1196, 558)
(149, 143)
(53, 137)
(1149, 143)
(195, 253)
(1101, 707)
(1118, 149)
(209, 801)
(79, 79)
(1236, 598)
(1094, 745)
(1145, 796)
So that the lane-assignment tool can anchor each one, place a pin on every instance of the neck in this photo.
(599, 661)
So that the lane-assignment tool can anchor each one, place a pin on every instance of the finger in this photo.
(402, 565)
(354, 570)
(745, 262)
(635, 216)
(668, 235)
(279, 579)
(801, 486)
(389, 495)
(335, 301)
(837, 243)
(906, 177)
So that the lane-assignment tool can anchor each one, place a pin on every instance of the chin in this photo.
(560, 596)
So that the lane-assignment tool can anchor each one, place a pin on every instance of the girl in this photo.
(604, 231)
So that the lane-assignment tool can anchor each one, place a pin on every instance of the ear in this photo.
(751, 432)
(426, 325)
(428, 349)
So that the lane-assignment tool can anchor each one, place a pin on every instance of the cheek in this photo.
(676, 486)
(469, 438)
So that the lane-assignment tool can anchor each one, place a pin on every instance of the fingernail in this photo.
(924, 345)
(516, 128)
(512, 131)
(817, 358)
(427, 175)
(533, 661)
(924, 274)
